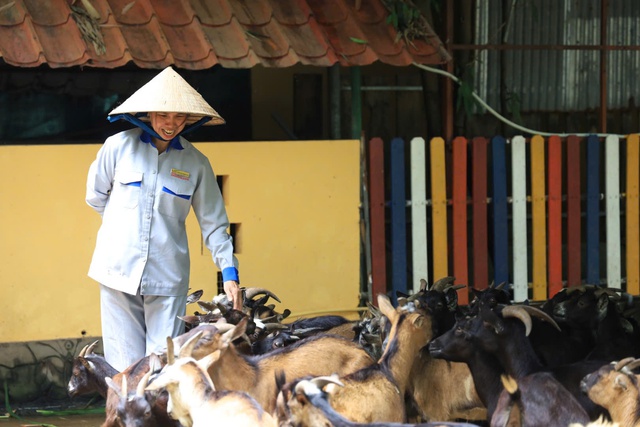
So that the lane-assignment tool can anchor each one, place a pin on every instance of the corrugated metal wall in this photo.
(556, 80)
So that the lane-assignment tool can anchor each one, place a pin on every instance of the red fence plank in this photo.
(460, 258)
(377, 202)
(554, 207)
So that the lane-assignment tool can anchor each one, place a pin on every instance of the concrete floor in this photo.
(88, 420)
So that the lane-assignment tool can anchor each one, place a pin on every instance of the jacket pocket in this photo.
(126, 189)
(175, 198)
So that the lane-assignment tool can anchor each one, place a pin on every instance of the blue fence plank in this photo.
(593, 211)
(398, 219)
(500, 219)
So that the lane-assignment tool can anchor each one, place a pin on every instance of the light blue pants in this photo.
(134, 326)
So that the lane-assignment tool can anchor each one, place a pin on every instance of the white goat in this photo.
(193, 399)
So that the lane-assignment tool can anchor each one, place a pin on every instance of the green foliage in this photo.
(465, 97)
(357, 40)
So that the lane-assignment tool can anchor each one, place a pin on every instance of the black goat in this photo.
(292, 332)
(502, 333)
(88, 373)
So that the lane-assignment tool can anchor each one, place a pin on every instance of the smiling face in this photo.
(168, 125)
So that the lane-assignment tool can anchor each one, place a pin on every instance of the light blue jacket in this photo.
(144, 199)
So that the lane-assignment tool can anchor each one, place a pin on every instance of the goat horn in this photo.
(320, 382)
(83, 351)
(423, 285)
(305, 331)
(223, 309)
(541, 315)
(195, 296)
(441, 284)
(519, 313)
(609, 292)
(633, 365)
(207, 306)
(91, 347)
(249, 293)
(622, 363)
(500, 286)
(274, 326)
(144, 382)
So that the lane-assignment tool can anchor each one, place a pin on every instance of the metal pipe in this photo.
(334, 100)
(448, 84)
(356, 102)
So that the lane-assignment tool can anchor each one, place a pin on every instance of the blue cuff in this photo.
(230, 273)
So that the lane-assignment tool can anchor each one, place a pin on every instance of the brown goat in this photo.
(376, 393)
(615, 387)
(317, 355)
(193, 398)
(304, 403)
(444, 390)
(134, 374)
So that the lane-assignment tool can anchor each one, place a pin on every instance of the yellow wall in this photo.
(296, 203)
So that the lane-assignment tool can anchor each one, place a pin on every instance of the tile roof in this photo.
(198, 34)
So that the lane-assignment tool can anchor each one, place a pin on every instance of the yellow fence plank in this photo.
(439, 217)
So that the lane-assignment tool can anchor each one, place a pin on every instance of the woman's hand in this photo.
(234, 293)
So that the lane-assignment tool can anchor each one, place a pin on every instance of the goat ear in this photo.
(621, 381)
(161, 381)
(209, 360)
(187, 348)
(385, 306)
(113, 386)
(236, 332)
(418, 321)
(171, 356)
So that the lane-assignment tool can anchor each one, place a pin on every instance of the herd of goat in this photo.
(567, 362)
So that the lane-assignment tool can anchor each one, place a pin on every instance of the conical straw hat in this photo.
(168, 92)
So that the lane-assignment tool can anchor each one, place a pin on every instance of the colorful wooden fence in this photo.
(539, 214)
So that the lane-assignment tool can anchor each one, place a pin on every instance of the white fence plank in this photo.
(612, 196)
(519, 216)
(419, 212)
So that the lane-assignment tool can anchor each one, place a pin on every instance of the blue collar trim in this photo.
(145, 126)
(173, 144)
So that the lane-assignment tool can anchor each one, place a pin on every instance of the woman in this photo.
(143, 183)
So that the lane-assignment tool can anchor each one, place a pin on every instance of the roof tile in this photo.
(19, 46)
(62, 45)
(213, 13)
(291, 13)
(198, 34)
(173, 12)
(51, 12)
(252, 12)
(11, 13)
(130, 12)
